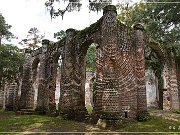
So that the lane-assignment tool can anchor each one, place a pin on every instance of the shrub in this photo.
(143, 116)
(177, 111)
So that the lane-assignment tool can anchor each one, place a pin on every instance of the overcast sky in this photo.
(25, 14)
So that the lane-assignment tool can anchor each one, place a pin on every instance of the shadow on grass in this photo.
(37, 123)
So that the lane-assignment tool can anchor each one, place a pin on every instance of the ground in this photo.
(160, 122)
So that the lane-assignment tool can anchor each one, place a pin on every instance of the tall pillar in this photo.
(66, 103)
(79, 86)
(170, 93)
(140, 68)
(106, 104)
(11, 91)
(166, 86)
(52, 83)
(26, 84)
(72, 97)
(173, 83)
(43, 90)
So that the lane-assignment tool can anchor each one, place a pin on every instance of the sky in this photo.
(25, 14)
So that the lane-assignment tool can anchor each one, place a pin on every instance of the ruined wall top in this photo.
(45, 42)
(138, 26)
(70, 30)
(87, 34)
(109, 8)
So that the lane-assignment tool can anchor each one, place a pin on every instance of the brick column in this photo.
(11, 91)
(26, 84)
(43, 90)
(170, 74)
(66, 102)
(107, 87)
(173, 83)
(166, 86)
(140, 68)
(52, 83)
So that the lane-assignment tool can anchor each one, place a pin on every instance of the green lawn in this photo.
(9, 122)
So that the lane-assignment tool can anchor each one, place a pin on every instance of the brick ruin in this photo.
(120, 72)
(152, 92)
(169, 86)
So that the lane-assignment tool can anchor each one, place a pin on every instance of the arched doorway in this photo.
(90, 80)
(92, 67)
(35, 80)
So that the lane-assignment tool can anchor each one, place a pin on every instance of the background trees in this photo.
(11, 57)
(60, 35)
(4, 29)
(33, 39)
(161, 22)
(11, 61)
(91, 58)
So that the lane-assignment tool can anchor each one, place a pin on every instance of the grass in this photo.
(155, 124)
(9, 122)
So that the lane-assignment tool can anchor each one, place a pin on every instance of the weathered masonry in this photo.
(120, 71)
(168, 80)
(120, 75)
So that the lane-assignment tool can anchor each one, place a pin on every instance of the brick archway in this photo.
(120, 70)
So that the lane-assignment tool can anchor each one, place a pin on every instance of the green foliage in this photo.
(160, 19)
(143, 116)
(97, 5)
(4, 29)
(60, 35)
(10, 63)
(91, 59)
(74, 5)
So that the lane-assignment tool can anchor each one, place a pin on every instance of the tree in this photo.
(161, 20)
(91, 59)
(60, 35)
(33, 38)
(74, 5)
(4, 30)
(11, 63)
